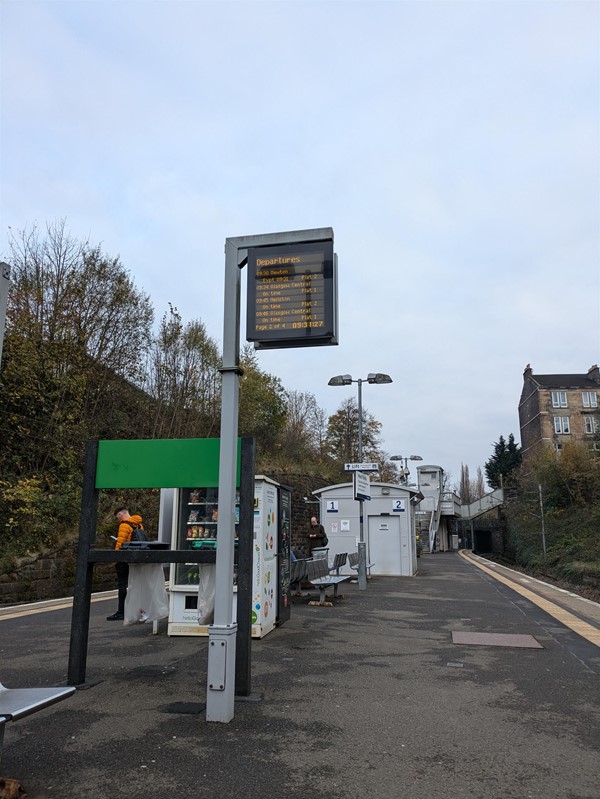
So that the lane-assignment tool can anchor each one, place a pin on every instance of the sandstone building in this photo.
(559, 409)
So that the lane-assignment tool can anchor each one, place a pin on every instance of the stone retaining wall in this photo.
(49, 575)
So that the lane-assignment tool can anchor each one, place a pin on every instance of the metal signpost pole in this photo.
(220, 694)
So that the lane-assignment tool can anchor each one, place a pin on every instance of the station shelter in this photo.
(388, 525)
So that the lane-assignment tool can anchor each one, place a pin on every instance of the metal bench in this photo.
(16, 703)
(297, 575)
(322, 577)
(353, 562)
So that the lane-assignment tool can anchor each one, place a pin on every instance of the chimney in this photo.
(594, 373)
(528, 372)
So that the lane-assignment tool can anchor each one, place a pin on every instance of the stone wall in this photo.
(302, 485)
(49, 575)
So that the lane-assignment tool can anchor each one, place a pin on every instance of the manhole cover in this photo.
(496, 639)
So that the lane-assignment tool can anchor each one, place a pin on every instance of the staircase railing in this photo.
(434, 523)
(483, 504)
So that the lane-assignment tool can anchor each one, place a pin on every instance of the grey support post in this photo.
(220, 691)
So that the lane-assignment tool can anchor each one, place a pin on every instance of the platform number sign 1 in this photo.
(332, 506)
(399, 506)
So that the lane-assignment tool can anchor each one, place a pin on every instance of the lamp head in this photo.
(340, 380)
(378, 377)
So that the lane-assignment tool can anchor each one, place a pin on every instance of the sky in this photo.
(453, 147)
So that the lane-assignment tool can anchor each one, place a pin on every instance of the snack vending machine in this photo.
(195, 517)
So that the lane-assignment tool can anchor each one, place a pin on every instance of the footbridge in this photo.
(438, 506)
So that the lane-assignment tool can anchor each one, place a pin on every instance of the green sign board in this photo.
(160, 463)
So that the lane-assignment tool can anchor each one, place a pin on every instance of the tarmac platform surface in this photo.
(369, 698)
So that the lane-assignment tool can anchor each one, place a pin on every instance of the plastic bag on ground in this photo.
(206, 593)
(147, 598)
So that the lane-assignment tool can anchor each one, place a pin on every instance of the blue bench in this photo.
(16, 703)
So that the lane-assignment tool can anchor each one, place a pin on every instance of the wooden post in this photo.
(82, 595)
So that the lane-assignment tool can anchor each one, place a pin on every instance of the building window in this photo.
(559, 399)
(561, 424)
(591, 424)
(589, 399)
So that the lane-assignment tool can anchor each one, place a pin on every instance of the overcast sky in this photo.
(453, 147)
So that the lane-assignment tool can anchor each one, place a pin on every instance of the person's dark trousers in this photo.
(122, 581)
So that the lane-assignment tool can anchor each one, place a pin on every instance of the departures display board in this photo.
(292, 295)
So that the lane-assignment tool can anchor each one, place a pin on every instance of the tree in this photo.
(76, 339)
(479, 486)
(301, 433)
(464, 490)
(569, 485)
(263, 404)
(342, 433)
(388, 470)
(183, 378)
(77, 327)
(506, 458)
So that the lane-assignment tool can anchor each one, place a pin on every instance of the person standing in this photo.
(316, 535)
(127, 524)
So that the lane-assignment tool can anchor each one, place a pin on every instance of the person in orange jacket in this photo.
(127, 524)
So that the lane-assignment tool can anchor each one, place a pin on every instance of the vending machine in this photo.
(195, 517)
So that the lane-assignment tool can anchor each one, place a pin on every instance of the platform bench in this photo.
(16, 703)
(297, 576)
(323, 577)
(353, 562)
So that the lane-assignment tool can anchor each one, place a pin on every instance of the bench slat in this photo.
(15, 703)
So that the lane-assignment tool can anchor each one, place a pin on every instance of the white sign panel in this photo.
(332, 506)
(362, 486)
(345, 525)
(361, 467)
(334, 527)
(399, 506)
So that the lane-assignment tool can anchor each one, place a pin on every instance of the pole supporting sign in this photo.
(292, 295)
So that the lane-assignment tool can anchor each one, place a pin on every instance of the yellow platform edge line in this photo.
(46, 609)
(582, 628)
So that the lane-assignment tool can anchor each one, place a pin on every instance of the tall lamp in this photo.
(374, 378)
(404, 473)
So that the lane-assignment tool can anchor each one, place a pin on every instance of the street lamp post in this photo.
(404, 472)
(376, 378)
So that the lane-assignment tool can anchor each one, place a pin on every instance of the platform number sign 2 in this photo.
(399, 506)
(332, 506)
